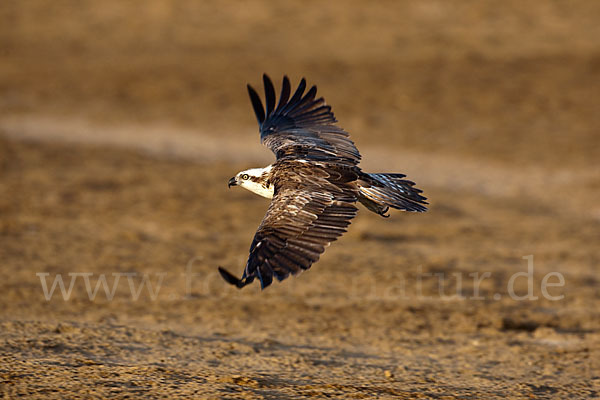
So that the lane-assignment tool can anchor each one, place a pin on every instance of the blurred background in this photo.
(516, 83)
(121, 122)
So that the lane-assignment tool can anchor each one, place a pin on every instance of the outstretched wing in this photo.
(310, 209)
(301, 127)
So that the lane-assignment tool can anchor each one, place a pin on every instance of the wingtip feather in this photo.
(228, 277)
(285, 93)
(259, 111)
(269, 94)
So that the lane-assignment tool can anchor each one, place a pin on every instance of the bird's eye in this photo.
(245, 177)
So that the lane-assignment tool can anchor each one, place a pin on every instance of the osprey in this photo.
(313, 185)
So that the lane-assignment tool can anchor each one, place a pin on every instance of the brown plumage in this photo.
(314, 185)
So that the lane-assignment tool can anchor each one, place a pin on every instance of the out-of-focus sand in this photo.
(120, 126)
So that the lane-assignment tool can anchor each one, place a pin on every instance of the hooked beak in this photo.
(232, 182)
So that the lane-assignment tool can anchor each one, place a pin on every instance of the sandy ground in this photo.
(119, 129)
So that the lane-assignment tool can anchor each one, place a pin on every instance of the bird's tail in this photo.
(379, 192)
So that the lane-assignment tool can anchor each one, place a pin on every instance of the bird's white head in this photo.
(255, 180)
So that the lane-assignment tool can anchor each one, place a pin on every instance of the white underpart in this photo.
(255, 187)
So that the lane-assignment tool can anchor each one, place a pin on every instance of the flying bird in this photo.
(313, 185)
